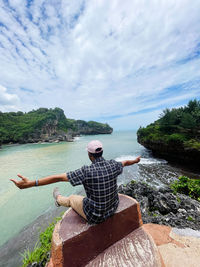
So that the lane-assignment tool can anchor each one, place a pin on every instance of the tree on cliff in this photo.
(178, 125)
(184, 117)
(29, 127)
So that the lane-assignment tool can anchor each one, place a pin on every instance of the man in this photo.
(99, 180)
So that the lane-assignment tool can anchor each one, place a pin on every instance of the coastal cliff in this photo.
(45, 125)
(175, 136)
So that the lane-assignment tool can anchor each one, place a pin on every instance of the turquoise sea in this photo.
(19, 208)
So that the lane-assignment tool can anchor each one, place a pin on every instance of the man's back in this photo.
(100, 183)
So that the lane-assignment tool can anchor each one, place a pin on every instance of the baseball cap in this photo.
(95, 146)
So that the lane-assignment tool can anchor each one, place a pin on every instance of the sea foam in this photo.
(143, 161)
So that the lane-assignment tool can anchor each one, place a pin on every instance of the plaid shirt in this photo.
(100, 183)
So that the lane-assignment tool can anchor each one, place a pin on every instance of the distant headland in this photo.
(175, 136)
(45, 125)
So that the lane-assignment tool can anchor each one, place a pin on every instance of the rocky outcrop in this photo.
(173, 152)
(92, 127)
(47, 134)
(45, 125)
(175, 136)
(161, 206)
(50, 136)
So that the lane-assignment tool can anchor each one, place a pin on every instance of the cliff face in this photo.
(173, 152)
(45, 125)
(92, 127)
(175, 135)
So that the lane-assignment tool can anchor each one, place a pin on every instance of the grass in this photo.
(42, 247)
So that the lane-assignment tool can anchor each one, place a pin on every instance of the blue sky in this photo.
(120, 62)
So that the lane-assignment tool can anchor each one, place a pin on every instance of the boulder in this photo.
(161, 206)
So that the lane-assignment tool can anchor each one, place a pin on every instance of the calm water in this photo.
(19, 208)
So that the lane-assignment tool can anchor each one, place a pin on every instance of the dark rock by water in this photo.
(40, 264)
(161, 206)
(173, 152)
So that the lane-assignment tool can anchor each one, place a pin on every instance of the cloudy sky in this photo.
(120, 62)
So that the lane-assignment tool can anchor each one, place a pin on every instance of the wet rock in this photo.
(173, 152)
(164, 203)
(161, 206)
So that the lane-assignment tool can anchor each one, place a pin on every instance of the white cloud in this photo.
(7, 100)
(101, 58)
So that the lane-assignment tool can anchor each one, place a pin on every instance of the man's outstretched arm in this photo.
(130, 162)
(26, 183)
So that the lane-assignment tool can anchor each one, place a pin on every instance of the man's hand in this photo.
(131, 162)
(23, 183)
(137, 159)
(26, 183)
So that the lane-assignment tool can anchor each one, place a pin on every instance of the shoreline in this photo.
(39, 142)
(26, 238)
(68, 138)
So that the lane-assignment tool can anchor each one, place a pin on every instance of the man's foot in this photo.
(55, 195)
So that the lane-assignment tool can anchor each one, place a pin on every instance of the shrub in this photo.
(187, 186)
(176, 137)
(192, 143)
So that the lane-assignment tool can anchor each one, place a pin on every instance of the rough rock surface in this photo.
(173, 152)
(161, 206)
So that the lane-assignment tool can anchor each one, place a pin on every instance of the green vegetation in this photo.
(192, 143)
(41, 249)
(179, 126)
(155, 214)
(187, 186)
(19, 127)
(189, 218)
(178, 199)
(133, 182)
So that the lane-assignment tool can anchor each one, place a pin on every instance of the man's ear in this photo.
(90, 156)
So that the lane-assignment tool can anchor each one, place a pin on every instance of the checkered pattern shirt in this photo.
(100, 183)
